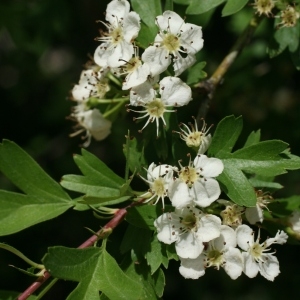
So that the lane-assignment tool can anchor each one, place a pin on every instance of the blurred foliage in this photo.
(43, 46)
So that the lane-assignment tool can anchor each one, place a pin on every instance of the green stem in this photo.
(114, 79)
(46, 289)
(114, 100)
(21, 255)
(115, 108)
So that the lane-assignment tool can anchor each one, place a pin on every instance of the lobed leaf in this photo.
(45, 198)
(95, 270)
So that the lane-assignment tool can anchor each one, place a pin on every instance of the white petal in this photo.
(192, 268)
(179, 194)
(102, 54)
(170, 21)
(280, 238)
(254, 214)
(206, 141)
(120, 53)
(209, 228)
(96, 124)
(159, 171)
(79, 92)
(187, 246)
(244, 237)
(269, 268)
(206, 191)
(131, 26)
(234, 262)
(137, 77)
(174, 91)
(142, 94)
(226, 239)
(157, 58)
(250, 266)
(180, 64)
(165, 232)
(116, 11)
(210, 166)
(191, 38)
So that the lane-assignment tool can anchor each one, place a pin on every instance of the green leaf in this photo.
(144, 216)
(286, 37)
(225, 136)
(257, 183)
(148, 10)
(183, 2)
(198, 7)
(135, 156)
(95, 270)
(295, 56)
(139, 246)
(103, 201)
(98, 180)
(146, 35)
(169, 5)
(89, 186)
(233, 6)
(153, 286)
(285, 206)
(196, 73)
(45, 198)
(157, 255)
(253, 138)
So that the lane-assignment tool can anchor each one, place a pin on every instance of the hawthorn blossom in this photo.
(256, 257)
(158, 178)
(195, 183)
(232, 214)
(123, 27)
(220, 252)
(174, 37)
(198, 139)
(93, 123)
(264, 7)
(188, 228)
(289, 17)
(91, 84)
(255, 214)
(173, 92)
(137, 72)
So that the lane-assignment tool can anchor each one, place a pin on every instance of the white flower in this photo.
(255, 214)
(189, 228)
(174, 37)
(199, 140)
(195, 183)
(91, 84)
(256, 259)
(220, 252)
(173, 92)
(158, 178)
(93, 123)
(232, 214)
(123, 27)
(137, 72)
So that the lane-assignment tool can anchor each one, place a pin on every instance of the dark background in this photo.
(43, 47)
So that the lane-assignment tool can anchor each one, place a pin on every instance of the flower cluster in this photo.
(117, 58)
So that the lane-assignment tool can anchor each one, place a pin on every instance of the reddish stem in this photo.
(113, 223)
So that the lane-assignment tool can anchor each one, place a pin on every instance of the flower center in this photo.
(171, 42)
(194, 139)
(189, 221)
(256, 250)
(214, 258)
(158, 187)
(188, 175)
(133, 64)
(155, 108)
(116, 35)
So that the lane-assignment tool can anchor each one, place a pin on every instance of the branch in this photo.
(209, 86)
(102, 233)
